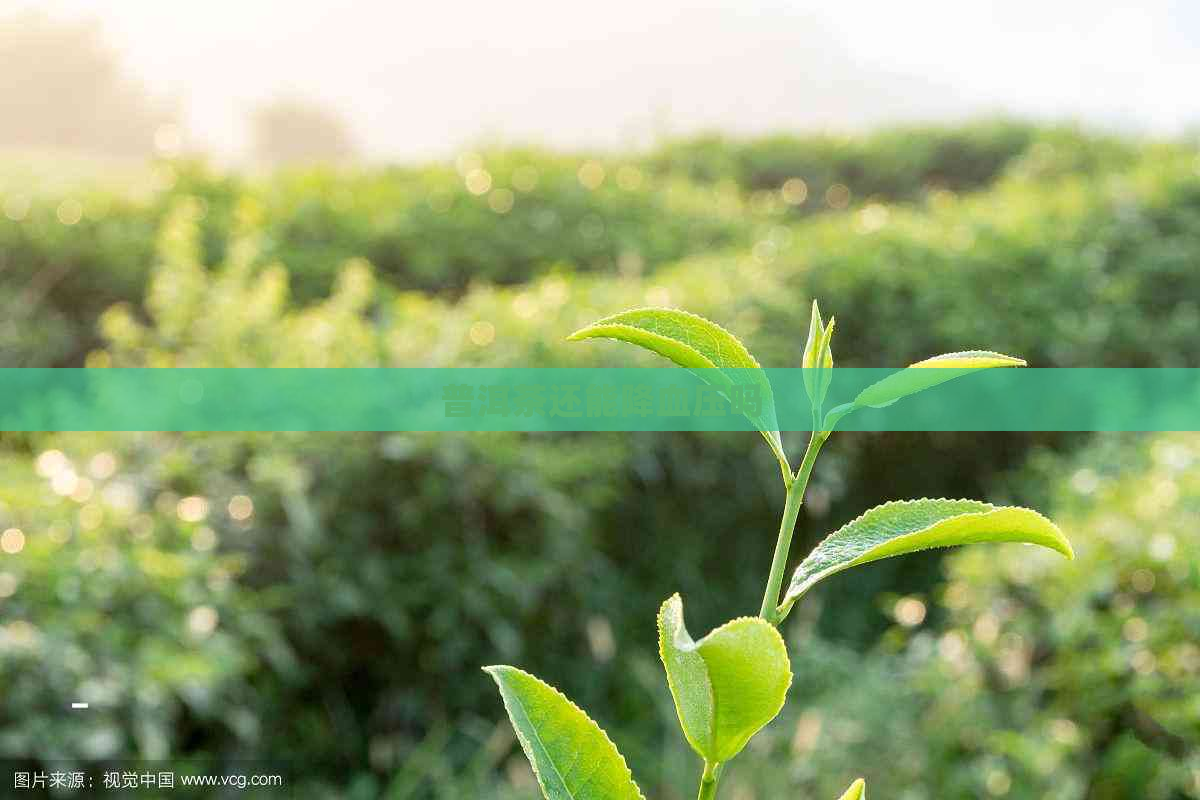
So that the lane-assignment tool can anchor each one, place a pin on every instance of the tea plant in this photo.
(728, 685)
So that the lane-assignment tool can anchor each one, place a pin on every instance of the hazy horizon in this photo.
(413, 84)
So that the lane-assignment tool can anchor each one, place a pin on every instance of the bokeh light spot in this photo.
(501, 201)
(525, 306)
(192, 509)
(794, 191)
(478, 181)
(1142, 581)
(12, 541)
(50, 463)
(241, 507)
(837, 196)
(202, 621)
(909, 611)
(16, 207)
(70, 211)
(482, 333)
(204, 539)
(591, 174)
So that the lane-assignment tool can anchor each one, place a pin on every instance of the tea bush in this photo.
(69, 249)
(504, 217)
(897, 164)
(1087, 680)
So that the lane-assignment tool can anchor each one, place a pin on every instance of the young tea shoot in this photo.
(731, 683)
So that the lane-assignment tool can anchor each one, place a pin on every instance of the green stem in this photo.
(709, 781)
(791, 510)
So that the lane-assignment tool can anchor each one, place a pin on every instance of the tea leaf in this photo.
(572, 757)
(701, 346)
(930, 372)
(835, 414)
(857, 791)
(906, 526)
(728, 685)
(817, 360)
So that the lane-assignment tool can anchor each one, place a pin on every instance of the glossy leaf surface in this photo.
(711, 352)
(726, 686)
(931, 372)
(908, 526)
(572, 757)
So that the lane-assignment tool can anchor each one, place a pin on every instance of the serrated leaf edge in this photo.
(911, 501)
(773, 439)
(608, 322)
(691, 647)
(790, 600)
(525, 744)
(695, 646)
(1013, 361)
(782, 643)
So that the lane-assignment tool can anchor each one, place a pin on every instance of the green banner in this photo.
(665, 399)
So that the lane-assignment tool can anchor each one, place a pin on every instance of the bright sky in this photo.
(422, 78)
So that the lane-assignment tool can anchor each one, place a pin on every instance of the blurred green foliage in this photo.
(328, 598)
(68, 251)
(896, 164)
(499, 217)
(1088, 676)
